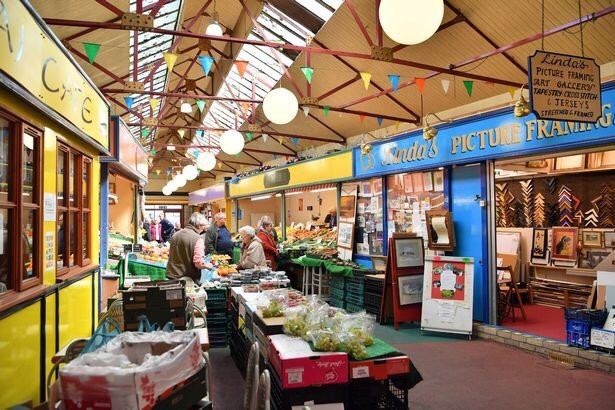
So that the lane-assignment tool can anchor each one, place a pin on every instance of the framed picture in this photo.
(379, 263)
(366, 188)
(408, 187)
(427, 181)
(564, 245)
(417, 182)
(438, 181)
(410, 289)
(591, 239)
(408, 251)
(112, 187)
(377, 186)
(345, 235)
(539, 243)
(609, 239)
(440, 231)
(348, 206)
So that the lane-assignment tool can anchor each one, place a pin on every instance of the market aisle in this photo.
(487, 375)
(226, 382)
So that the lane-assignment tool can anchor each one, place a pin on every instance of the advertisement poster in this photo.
(448, 280)
(49, 251)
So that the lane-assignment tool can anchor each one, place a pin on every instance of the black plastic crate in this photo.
(217, 294)
(285, 399)
(369, 394)
(371, 299)
(352, 308)
(354, 298)
(593, 316)
(336, 303)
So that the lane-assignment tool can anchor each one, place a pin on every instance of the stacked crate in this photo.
(374, 289)
(355, 287)
(337, 291)
(161, 302)
(238, 343)
(218, 323)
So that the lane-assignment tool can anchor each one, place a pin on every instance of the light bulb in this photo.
(180, 180)
(280, 106)
(190, 172)
(410, 22)
(172, 185)
(167, 190)
(186, 108)
(232, 142)
(214, 28)
(206, 161)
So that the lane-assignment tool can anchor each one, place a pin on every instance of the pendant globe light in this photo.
(167, 190)
(410, 21)
(214, 28)
(180, 180)
(280, 106)
(206, 161)
(190, 172)
(231, 142)
(186, 108)
(172, 185)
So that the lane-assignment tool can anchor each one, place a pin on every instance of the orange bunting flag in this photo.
(420, 84)
(361, 118)
(242, 66)
(245, 106)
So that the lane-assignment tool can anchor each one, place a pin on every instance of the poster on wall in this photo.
(448, 294)
(49, 251)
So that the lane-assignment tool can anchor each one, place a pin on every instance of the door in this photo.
(469, 212)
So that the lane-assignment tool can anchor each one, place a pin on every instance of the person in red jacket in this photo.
(269, 246)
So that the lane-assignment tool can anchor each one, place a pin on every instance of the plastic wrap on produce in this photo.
(131, 371)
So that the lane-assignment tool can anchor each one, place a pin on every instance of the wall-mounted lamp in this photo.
(430, 132)
(522, 107)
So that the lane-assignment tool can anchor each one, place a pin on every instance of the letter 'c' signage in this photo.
(564, 87)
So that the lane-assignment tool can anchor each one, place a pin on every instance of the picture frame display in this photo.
(438, 181)
(440, 230)
(591, 239)
(345, 234)
(427, 181)
(410, 289)
(609, 239)
(408, 187)
(564, 243)
(348, 206)
(417, 182)
(540, 243)
(408, 251)
(377, 186)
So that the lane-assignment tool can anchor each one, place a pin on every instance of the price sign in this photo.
(564, 87)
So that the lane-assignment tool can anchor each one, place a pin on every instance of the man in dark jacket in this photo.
(167, 229)
(146, 227)
(218, 238)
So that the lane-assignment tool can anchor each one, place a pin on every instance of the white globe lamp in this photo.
(190, 172)
(167, 190)
(280, 106)
(206, 161)
(410, 21)
(214, 28)
(180, 180)
(172, 185)
(231, 142)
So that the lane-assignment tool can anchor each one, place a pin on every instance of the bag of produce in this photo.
(353, 345)
(295, 324)
(361, 325)
(324, 340)
(274, 309)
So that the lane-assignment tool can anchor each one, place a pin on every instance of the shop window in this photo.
(20, 203)
(369, 231)
(74, 213)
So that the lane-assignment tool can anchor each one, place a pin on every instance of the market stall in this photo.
(209, 201)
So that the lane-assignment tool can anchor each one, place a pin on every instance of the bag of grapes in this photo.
(324, 340)
(296, 324)
(361, 325)
(353, 344)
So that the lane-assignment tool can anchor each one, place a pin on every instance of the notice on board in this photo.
(564, 87)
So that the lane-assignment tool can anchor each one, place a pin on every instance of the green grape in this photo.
(295, 327)
(326, 343)
(273, 310)
(356, 350)
(363, 336)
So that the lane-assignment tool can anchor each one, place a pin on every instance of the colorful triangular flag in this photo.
(181, 132)
(308, 72)
(306, 110)
(242, 66)
(361, 118)
(326, 109)
(420, 84)
(265, 136)
(445, 85)
(153, 152)
(129, 101)
(153, 102)
(275, 156)
(144, 132)
(295, 140)
(169, 59)
(157, 172)
(91, 49)
(367, 78)
(397, 125)
(249, 136)
(206, 63)
(512, 91)
(200, 104)
(394, 79)
(468, 84)
(379, 120)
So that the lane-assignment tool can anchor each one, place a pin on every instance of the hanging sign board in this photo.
(448, 294)
(564, 87)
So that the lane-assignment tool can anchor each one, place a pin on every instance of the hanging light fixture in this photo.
(186, 108)
(180, 180)
(166, 190)
(280, 106)
(231, 142)
(214, 28)
(410, 22)
(430, 132)
(190, 172)
(522, 107)
(170, 147)
(206, 161)
(172, 185)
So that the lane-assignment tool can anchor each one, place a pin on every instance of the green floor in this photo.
(411, 333)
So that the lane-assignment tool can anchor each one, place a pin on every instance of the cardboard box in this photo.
(185, 394)
(379, 369)
(298, 366)
(270, 325)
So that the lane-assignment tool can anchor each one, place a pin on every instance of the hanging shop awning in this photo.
(315, 188)
(332, 168)
(211, 193)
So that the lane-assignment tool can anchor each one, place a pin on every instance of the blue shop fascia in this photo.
(466, 151)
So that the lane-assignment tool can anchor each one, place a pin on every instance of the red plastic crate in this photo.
(379, 369)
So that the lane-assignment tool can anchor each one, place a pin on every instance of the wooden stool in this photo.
(508, 287)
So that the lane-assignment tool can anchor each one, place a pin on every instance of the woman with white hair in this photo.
(252, 254)
(187, 250)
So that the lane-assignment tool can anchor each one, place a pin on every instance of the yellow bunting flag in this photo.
(396, 125)
(512, 91)
(153, 102)
(169, 59)
(367, 78)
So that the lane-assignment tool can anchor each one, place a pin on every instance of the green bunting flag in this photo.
(153, 152)
(326, 109)
(249, 136)
(201, 105)
(468, 84)
(308, 72)
(144, 133)
(91, 49)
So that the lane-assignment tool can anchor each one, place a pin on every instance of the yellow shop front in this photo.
(53, 127)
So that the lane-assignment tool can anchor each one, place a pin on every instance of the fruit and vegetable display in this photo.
(343, 262)
(304, 240)
(153, 253)
(273, 310)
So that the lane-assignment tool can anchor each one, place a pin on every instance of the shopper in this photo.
(265, 226)
(218, 238)
(187, 250)
(252, 254)
(331, 218)
(155, 231)
(167, 229)
(146, 227)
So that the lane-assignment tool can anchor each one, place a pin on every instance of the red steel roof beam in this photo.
(179, 95)
(357, 20)
(110, 7)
